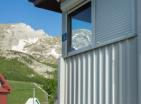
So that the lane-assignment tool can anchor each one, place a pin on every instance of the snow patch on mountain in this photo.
(23, 38)
(54, 53)
(20, 46)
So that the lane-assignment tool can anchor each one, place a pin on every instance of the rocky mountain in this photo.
(23, 38)
(27, 44)
(35, 48)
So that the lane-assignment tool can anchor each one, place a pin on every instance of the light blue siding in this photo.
(114, 19)
(106, 75)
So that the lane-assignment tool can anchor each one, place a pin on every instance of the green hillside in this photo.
(14, 70)
(21, 91)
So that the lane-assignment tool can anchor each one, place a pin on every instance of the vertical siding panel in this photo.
(111, 91)
(113, 71)
(127, 72)
(134, 72)
(61, 85)
(66, 83)
(115, 81)
(79, 80)
(122, 73)
(70, 80)
(92, 77)
(131, 72)
(89, 79)
(107, 76)
(74, 80)
(116, 73)
(101, 76)
(96, 78)
(84, 80)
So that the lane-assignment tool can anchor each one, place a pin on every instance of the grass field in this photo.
(21, 91)
(14, 70)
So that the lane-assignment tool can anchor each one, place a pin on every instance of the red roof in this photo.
(4, 88)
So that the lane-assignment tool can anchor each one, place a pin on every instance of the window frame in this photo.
(69, 31)
(95, 44)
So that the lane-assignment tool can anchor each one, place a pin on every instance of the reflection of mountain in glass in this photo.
(81, 38)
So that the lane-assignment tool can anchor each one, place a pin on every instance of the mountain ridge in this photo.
(18, 36)
(22, 41)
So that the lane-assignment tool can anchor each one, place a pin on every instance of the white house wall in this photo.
(106, 75)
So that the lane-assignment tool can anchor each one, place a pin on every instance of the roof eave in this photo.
(52, 5)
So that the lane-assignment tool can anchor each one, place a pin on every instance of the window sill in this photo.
(75, 52)
(98, 45)
(101, 44)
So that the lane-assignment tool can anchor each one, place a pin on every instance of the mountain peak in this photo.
(23, 38)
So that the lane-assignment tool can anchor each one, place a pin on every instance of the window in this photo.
(80, 28)
(97, 23)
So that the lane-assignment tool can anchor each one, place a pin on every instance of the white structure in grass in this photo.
(32, 101)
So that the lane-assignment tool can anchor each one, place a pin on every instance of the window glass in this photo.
(81, 27)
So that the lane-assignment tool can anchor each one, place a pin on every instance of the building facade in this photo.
(101, 51)
(106, 70)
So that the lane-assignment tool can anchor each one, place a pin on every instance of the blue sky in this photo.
(17, 11)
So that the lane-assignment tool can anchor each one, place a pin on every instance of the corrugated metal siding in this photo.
(106, 75)
(114, 19)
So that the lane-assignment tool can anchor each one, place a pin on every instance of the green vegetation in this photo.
(50, 62)
(22, 91)
(14, 70)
